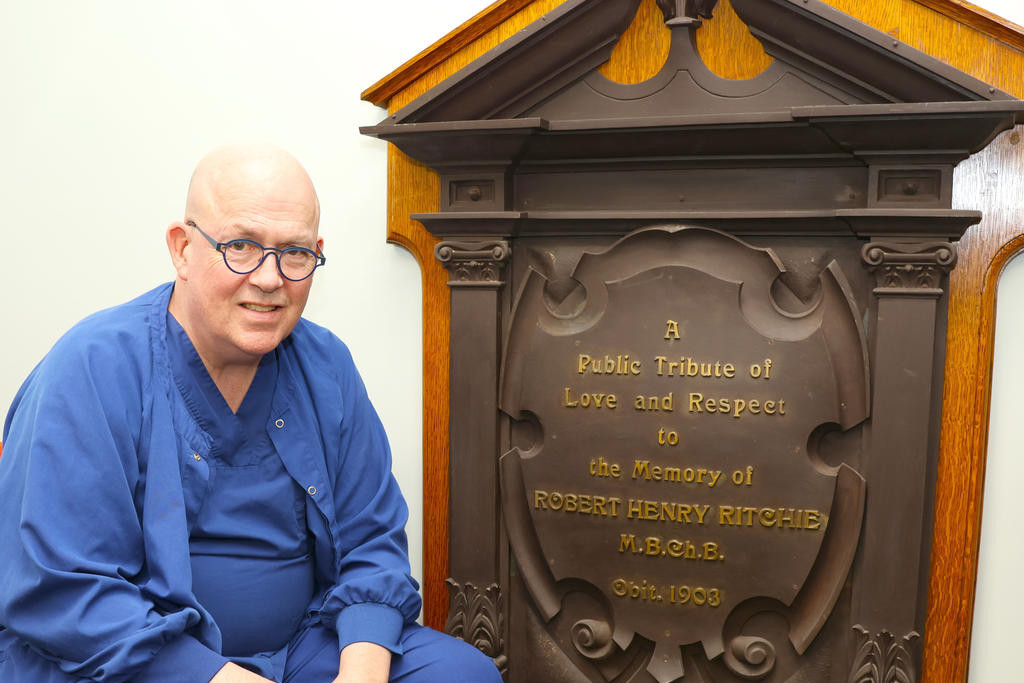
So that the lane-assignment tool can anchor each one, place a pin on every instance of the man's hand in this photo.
(363, 663)
(232, 673)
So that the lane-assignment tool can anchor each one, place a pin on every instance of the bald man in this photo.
(194, 485)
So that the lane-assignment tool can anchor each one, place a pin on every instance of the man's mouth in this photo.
(261, 309)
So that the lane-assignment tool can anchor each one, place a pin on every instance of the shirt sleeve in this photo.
(375, 595)
(76, 584)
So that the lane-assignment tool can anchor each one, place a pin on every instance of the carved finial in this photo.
(678, 12)
(883, 658)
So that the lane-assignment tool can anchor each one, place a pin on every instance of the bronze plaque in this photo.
(667, 402)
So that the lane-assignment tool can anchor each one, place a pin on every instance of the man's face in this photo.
(235, 319)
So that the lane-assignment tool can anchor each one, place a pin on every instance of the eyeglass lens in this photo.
(243, 256)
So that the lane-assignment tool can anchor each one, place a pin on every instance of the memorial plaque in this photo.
(668, 401)
(696, 347)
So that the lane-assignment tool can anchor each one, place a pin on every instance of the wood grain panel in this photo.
(727, 47)
(381, 92)
(643, 48)
(413, 188)
(941, 37)
(965, 46)
(980, 19)
(992, 181)
(451, 63)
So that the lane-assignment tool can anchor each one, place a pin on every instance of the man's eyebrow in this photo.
(244, 232)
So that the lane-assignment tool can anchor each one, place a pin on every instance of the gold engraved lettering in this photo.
(671, 329)
(579, 503)
(589, 400)
(762, 370)
(666, 511)
(744, 477)
(600, 468)
(735, 407)
(643, 469)
(607, 365)
(812, 520)
(627, 543)
(668, 437)
(687, 366)
(671, 548)
(636, 590)
(726, 515)
(655, 403)
(698, 596)
(777, 518)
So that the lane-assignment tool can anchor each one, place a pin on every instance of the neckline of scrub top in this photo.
(233, 435)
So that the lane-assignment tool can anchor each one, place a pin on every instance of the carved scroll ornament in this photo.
(473, 264)
(909, 267)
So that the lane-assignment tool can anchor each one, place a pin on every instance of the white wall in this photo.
(105, 107)
(1000, 595)
(1012, 10)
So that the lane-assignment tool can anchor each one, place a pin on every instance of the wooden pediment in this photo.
(838, 93)
(822, 57)
(544, 82)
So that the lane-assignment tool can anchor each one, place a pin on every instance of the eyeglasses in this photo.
(244, 256)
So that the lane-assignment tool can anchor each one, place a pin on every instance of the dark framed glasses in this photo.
(243, 256)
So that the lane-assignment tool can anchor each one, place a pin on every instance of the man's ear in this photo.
(177, 240)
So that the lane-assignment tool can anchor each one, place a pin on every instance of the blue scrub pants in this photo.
(312, 657)
(428, 657)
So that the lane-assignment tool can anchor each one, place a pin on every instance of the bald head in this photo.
(246, 192)
(235, 175)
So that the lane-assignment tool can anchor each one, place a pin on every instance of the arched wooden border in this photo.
(994, 182)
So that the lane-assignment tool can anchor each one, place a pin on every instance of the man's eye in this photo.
(240, 247)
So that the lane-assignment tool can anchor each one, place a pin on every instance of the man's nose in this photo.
(267, 276)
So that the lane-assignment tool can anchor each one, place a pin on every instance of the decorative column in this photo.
(889, 609)
(475, 610)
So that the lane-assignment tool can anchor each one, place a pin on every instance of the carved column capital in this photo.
(473, 264)
(909, 268)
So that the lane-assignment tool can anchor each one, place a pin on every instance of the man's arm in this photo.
(363, 663)
(374, 596)
(79, 586)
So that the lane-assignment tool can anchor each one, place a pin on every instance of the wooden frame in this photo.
(991, 49)
(984, 252)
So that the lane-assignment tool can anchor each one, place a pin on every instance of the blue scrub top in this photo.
(106, 473)
(250, 549)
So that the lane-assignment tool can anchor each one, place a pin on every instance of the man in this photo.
(194, 486)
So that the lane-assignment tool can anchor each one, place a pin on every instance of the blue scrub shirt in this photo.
(106, 474)
(252, 562)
